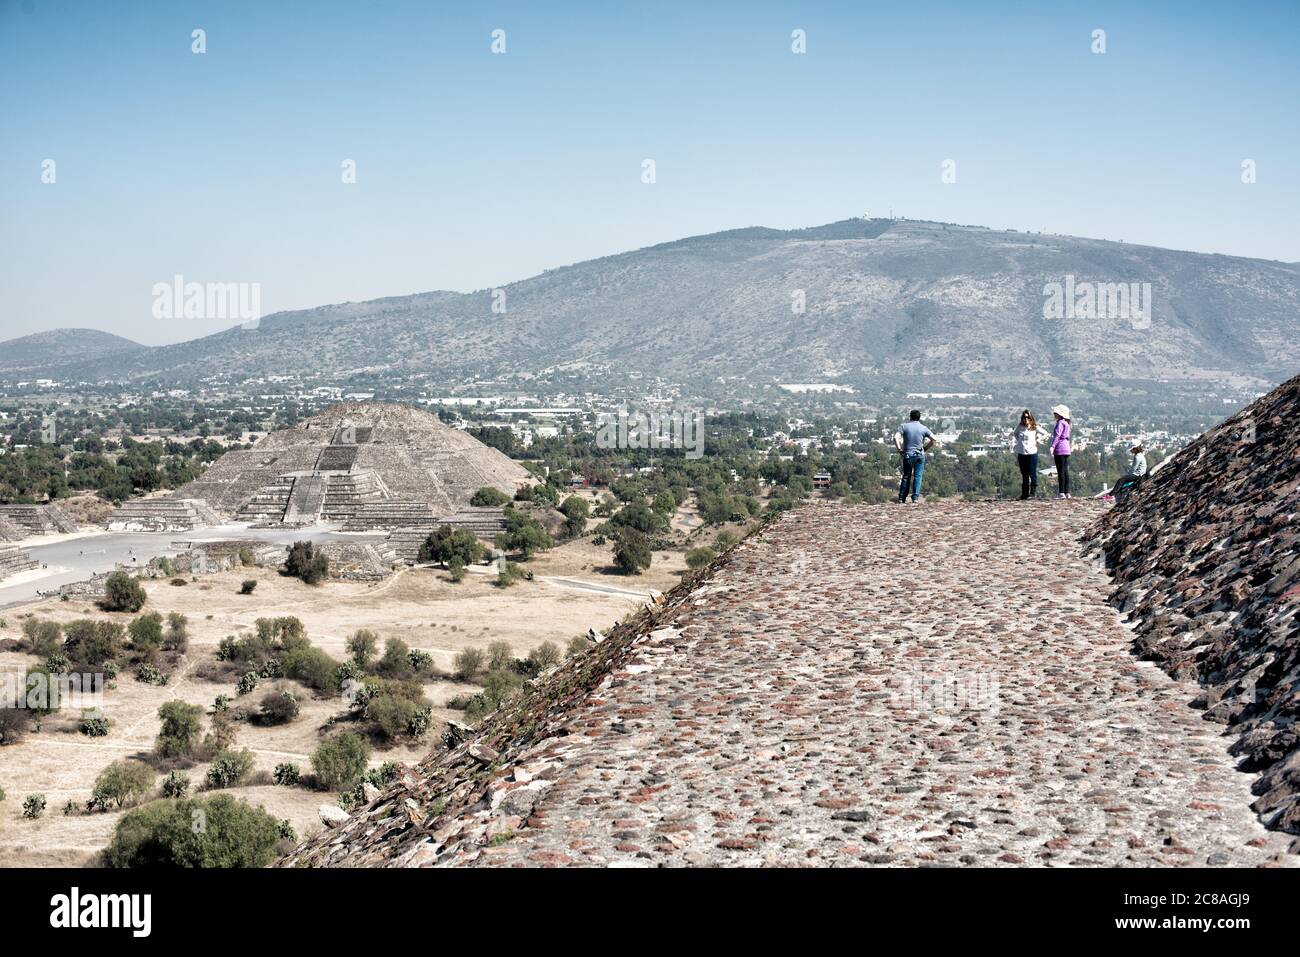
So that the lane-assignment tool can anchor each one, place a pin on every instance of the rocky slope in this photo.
(1206, 559)
(882, 298)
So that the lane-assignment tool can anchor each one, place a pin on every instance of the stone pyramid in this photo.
(368, 465)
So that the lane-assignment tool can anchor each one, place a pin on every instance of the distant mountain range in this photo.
(846, 301)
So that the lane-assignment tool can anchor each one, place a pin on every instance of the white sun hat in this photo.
(1062, 410)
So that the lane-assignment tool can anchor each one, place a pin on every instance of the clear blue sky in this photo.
(476, 169)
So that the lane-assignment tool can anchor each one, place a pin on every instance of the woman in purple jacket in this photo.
(1061, 450)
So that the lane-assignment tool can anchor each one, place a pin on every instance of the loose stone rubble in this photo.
(1206, 559)
(941, 684)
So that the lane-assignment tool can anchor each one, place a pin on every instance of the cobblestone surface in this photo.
(941, 684)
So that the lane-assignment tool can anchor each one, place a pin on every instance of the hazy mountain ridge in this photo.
(882, 297)
(59, 346)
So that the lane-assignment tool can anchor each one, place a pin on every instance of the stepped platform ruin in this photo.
(47, 519)
(366, 466)
(163, 515)
(14, 560)
(9, 532)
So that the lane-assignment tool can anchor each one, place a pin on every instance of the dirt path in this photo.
(934, 684)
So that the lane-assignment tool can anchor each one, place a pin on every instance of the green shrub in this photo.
(177, 635)
(247, 683)
(313, 668)
(229, 767)
(122, 782)
(150, 675)
(90, 643)
(421, 661)
(279, 706)
(93, 724)
(697, 558)
(286, 775)
(306, 563)
(456, 568)
(123, 593)
(180, 729)
(217, 832)
(175, 785)
(468, 663)
(285, 831)
(146, 632)
(33, 806)
(396, 716)
(340, 760)
(396, 662)
(246, 586)
(42, 637)
(489, 497)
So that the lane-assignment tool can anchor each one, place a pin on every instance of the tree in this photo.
(306, 563)
(489, 497)
(122, 782)
(362, 645)
(576, 510)
(92, 643)
(445, 543)
(340, 760)
(639, 516)
(180, 729)
(123, 593)
(396, 662)
(218, 831)
(632, 552)
(523, 535)
(146, 632)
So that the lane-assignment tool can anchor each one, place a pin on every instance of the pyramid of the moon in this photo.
(365, 465)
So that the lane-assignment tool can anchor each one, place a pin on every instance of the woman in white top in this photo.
(1026, 441)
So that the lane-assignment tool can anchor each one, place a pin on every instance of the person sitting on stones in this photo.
(1061, 449)
(1027, 435)
(912, 440)
(1137, 471)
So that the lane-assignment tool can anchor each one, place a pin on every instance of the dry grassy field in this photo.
(419, 606)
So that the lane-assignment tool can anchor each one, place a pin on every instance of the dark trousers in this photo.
(1062, 473)
(1028, 474)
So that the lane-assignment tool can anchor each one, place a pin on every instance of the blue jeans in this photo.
(913, 467)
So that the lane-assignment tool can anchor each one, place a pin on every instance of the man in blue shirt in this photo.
(912, 440)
